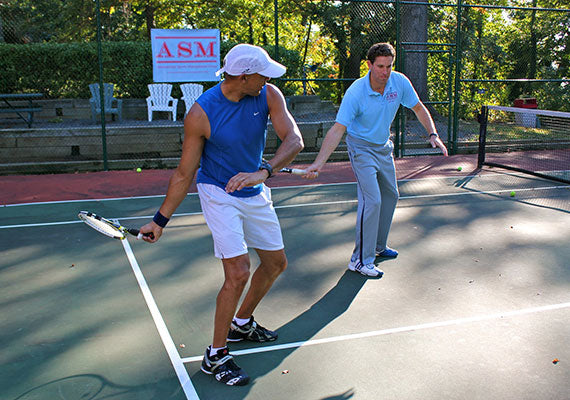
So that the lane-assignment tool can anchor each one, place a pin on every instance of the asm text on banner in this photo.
(185, 55)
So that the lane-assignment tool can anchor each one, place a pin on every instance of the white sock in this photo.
(214, 350)
(241, 321)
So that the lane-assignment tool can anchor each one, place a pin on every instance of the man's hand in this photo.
(245, 179)
(436, 141)
(313, 171)
(151, 227)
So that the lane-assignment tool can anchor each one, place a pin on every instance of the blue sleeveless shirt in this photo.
(237, 138)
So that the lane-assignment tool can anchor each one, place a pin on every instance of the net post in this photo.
(482, 117)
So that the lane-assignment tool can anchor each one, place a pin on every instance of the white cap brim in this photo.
(273, 70)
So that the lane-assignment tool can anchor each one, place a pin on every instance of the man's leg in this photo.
(364, 165)
(389, 192)
(236, 272)
(273, 263)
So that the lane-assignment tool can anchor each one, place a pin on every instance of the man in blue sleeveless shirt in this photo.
(224, 139)
(365, 114)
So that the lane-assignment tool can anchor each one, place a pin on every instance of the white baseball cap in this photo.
(248, 59)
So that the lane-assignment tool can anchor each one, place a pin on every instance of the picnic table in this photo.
(30, 108)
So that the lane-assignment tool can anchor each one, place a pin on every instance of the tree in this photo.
(414, 28)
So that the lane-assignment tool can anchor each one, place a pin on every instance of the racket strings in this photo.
(101, 226)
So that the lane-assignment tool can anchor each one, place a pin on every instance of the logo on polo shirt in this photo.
(391, 95)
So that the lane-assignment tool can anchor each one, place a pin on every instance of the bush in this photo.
(65, 70)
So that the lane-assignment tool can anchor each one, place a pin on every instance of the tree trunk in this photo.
(149, 16)
(414, 29)
(355, 46)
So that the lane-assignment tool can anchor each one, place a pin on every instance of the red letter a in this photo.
(164, 52)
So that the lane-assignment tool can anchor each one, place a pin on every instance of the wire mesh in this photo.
(527, 140)
(458, 56)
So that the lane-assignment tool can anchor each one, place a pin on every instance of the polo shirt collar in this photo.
(369, 90)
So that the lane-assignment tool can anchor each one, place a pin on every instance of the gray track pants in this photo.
(375, 172)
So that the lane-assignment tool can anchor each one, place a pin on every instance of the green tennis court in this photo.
(476, 306)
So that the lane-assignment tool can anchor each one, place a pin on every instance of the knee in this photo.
(237, 276)
(390, 195)
(282, 265)
(278, 265)
(374, 203)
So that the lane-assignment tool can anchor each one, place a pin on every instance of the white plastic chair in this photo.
(190, 92)
(161, 100)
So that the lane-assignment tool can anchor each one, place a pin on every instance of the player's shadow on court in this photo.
(333, 304)
(302, 328)
(94, 386)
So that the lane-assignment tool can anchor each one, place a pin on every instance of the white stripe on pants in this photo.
(375, 172)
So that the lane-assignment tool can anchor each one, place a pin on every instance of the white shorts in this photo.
(237, 223)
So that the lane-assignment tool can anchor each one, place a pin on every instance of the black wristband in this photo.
(160, 219)
(266, 166)
(433, 134)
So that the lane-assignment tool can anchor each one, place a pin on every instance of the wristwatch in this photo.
(266, 166)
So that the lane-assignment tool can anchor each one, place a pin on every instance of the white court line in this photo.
(324, 203)
(382, 332)
(273, 188)
(167, 341)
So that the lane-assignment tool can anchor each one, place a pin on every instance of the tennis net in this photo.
(531, 141)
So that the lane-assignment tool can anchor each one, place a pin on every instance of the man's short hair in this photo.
(381, 50)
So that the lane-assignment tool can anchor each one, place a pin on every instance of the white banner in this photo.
(185, 55)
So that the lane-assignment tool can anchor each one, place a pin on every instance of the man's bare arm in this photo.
(196, 129)
(285, 127)
(426, 120)
(330, 143)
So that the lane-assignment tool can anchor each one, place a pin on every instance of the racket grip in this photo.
(140, 235)
(297, 171)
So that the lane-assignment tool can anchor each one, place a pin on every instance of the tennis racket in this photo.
(294, 171)
(108, 227)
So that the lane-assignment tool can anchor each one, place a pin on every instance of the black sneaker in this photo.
(250, 331)
(223, 367)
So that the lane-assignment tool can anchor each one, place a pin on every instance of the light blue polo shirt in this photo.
(368, 114)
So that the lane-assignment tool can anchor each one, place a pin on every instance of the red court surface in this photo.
(111, 184)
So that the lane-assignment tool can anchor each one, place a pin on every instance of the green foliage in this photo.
(65, 70)
(60, 59)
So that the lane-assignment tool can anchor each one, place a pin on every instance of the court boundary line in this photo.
(389, 331)
(420, 196)
(154, 196)
(170, 347)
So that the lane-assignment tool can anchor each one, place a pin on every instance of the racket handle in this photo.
(140, 235)
(294, 171)
(297, 171)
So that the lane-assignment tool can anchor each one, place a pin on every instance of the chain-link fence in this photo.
(55, 55)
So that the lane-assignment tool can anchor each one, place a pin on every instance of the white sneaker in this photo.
(367, 270)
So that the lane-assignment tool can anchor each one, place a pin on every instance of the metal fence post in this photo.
(483, 117)
(457, 77)
(101, 89)
(276, 25)
(399, 64)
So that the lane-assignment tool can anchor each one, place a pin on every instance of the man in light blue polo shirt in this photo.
(366, 113)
